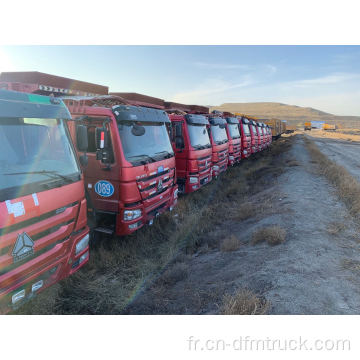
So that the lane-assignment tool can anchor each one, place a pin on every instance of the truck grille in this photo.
(155, 185)
(45, 231)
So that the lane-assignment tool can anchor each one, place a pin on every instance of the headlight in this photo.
(82, 244)
(131, 214)
(176, 193)
(215, 168)
(193, 180)
(231, 158)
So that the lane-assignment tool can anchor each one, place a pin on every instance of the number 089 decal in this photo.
(104, 188)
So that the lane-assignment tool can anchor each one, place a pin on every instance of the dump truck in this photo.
(307, 126)
(44, 235)
(245, 136)
(191, 143)
(234, 137)
(329, 127)
(275, 125)
(219, 144)
(130, 174)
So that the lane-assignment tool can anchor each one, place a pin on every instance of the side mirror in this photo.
(82, 138)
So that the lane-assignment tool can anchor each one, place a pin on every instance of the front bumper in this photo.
(47, 274)
(166, 201)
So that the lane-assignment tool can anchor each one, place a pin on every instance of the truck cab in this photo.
(219, 144)
(130, 178)
(192, 147)
(261, 143)
(43, 225)
(245, 137)
(254, 137)
(233, 134)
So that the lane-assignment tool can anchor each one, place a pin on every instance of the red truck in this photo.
(233, 134)
(130, 172)
(219, 143)
(254, 136)
(43, 226)
(191, 143)
(261, 138)
(245, 133)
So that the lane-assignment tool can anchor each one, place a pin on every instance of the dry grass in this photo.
(350, 264)
(231, 243)
(273, 235)
(335, 227)
(179, 271)
(120, 268)
(347, 187)
(244, 302)
(292, 163)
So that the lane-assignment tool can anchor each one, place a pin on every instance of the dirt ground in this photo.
(315, 271)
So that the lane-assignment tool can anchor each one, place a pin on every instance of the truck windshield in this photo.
(254, 129)
(234, 131)
(35, 155)
(150, 146)
(199, 137)
(218, 134)
(246, 129)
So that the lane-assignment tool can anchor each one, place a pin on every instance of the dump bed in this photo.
(169, 105)
(42, 83)
(141, 99)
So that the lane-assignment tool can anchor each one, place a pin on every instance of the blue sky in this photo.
(323, 77)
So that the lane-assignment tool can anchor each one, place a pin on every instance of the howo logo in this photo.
(23, 248)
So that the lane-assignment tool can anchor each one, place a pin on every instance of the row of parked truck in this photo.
(74, 154)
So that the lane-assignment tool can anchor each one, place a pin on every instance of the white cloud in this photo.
(271, 68)
(334, 78)
(211, 90)
(221, 66)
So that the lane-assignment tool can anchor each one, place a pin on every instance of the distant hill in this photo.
(292, 113)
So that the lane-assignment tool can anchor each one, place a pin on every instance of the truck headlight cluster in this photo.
(231, 157)
(82, 244)
(176, 193)
(193, 180)
(131, 214)
(216, 168)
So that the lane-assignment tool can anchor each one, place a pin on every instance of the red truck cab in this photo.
(233, 134)
(261, 138)
(245, 137)
(43, 225)
(192, 147)
(219, 144)
(254, 137)
(130, 178)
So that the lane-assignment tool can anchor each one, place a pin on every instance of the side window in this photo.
(178, 135)
(91, 139)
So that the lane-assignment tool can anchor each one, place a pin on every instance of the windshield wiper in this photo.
(148, 157)
(52, 174)
(167, 153)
